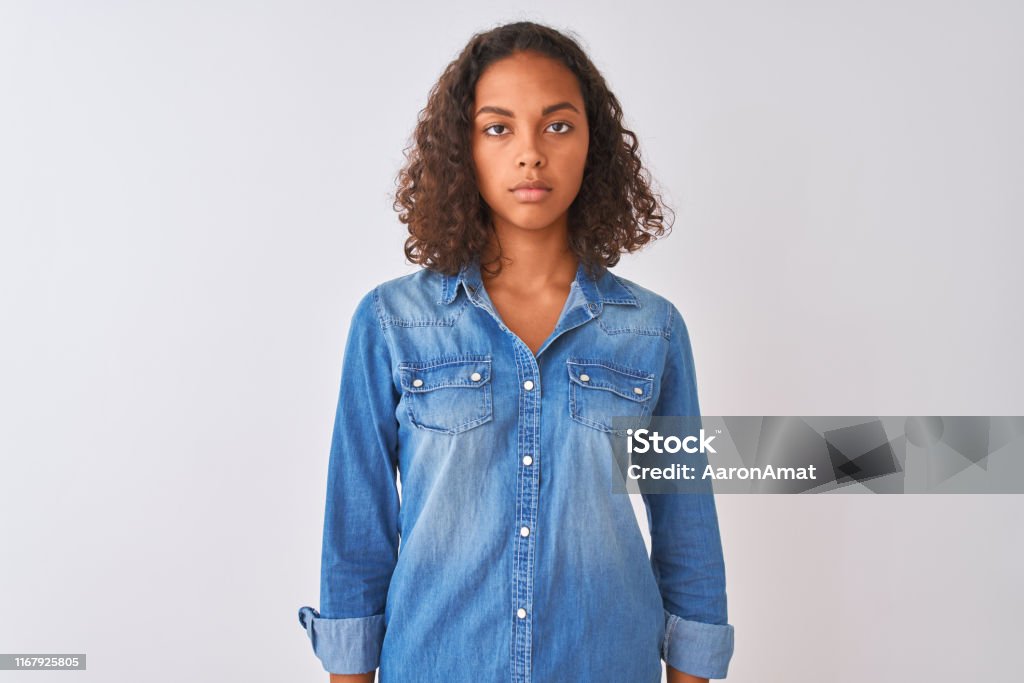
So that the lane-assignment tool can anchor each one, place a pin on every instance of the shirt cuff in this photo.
(697, 648)
(344, 646)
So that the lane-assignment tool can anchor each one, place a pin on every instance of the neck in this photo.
(531, 260)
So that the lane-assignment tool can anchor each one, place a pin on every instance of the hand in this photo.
(676, 676)
(354, 678)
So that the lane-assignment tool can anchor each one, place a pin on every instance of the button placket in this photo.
(528, 474)
(528, 490)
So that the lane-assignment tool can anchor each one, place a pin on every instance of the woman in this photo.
(488, 380)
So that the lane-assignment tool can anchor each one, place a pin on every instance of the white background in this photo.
(194, 195)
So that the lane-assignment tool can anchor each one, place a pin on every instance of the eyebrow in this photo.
(544, 112)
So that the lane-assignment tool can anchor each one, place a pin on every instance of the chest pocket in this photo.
(449, 394)
(600, 390)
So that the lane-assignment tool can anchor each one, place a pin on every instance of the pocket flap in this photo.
(636, 385)
(464, 371)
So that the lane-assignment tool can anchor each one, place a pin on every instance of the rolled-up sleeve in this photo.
(686, 546)
(361, 534)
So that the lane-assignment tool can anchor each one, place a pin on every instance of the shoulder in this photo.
(413, 299)
(651, 313)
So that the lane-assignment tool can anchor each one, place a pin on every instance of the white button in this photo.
(417, 382)
(637, 390)
(521, 613)
(475, 377)
(525, 531)
(527, 460)
(584, 378)
(528, 385)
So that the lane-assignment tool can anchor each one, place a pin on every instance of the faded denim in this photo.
(517, 562)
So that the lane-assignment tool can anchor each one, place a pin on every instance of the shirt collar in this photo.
(606, 288)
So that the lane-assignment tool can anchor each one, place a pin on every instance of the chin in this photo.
(531, 219)
(533, 225)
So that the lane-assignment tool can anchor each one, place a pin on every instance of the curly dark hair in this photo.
(438, 199)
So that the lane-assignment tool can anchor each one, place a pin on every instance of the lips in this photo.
(531, 185)
(530, 195)
(529, 191)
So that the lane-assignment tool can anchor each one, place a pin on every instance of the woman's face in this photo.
(530, 125)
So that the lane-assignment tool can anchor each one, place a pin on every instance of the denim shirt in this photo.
(517, 562)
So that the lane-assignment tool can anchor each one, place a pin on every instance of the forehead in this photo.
(527, 77)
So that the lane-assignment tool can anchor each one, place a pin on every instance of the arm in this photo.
(360, 538)
(686, 548)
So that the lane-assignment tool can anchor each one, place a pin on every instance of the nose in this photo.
(529, 155)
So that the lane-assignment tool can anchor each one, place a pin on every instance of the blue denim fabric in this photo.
(517, 562)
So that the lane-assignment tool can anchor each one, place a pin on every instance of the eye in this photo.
(566, 128)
